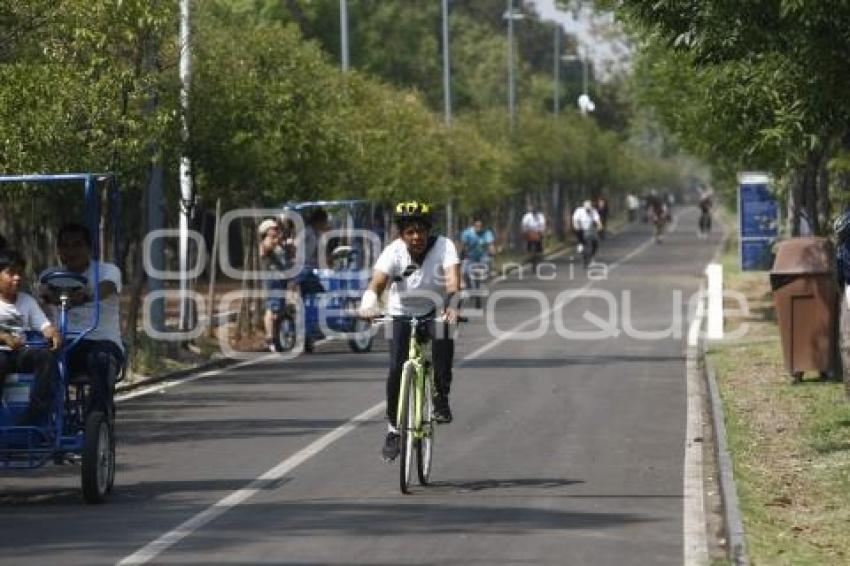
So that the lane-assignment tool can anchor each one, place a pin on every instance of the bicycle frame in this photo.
(421, 372)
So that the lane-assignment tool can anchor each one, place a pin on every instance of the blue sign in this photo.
(757, 255)
(758, 218)
(759, 212)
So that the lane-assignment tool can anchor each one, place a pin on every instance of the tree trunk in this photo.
(824, 208)
(794, 198)
(557, 211)
(810, 191)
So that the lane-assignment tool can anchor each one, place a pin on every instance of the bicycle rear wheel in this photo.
(406, 421)
(425, 443)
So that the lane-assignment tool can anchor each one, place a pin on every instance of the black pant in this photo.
(590, 238)
(40, 362)
(101, 361)
(443, 350)
(705, 221)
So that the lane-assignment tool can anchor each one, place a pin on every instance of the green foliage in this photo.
(93, 85)
(765, 79)
(77, 81)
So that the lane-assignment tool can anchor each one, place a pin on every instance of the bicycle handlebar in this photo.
(409, 318)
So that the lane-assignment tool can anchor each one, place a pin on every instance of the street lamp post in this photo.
(511, 15)
(447, 101)
(447, 87)
(556, 102)
(343, 33)
(585, 103)
(556, 108)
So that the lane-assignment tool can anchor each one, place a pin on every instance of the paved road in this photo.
(563, 451)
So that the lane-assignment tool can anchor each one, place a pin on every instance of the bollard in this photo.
(714, 273)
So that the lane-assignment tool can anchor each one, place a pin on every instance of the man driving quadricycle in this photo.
(100, 354)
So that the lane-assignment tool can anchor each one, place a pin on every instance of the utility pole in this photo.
(186, 194)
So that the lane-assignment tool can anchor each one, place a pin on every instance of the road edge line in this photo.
(695, 538)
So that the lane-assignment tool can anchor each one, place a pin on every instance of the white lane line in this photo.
(198, 521)
(693, 523)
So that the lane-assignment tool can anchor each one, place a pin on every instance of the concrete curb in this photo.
(152, 380)
(733, 524)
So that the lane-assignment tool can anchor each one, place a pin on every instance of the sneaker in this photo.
(442, 411)
(271, 345)
(392, 446)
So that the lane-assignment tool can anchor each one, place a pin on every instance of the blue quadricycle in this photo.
(330, 292)
(68, 432)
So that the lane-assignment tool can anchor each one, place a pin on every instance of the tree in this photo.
(788, 55)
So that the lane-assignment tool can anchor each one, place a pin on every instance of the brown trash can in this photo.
(806, 297)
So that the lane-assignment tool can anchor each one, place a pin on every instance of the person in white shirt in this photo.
(533, 227)
(586, 224)
(19, 312)
(100, 354)
(423, 276)
(633, 204)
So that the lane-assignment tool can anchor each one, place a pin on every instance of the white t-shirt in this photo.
(584, 219)
(414, 295)
(23, 313)
(80, 317)
(533, 222)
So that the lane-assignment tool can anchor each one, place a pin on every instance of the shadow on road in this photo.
(530, 363)
(142, 432)
(501, 484)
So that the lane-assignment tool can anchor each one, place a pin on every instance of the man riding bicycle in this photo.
(705, 206)
(477, 252)
(586, 224)
(423, 275)
(657, 213)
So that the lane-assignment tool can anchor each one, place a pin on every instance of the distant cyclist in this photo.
(478, 248)
(705, 205)
(601, 206)
(656, 212)
(422, 272)
(533, 226)
(586, 224)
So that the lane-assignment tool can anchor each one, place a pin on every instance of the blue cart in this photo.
(67, 433)
(331, 295)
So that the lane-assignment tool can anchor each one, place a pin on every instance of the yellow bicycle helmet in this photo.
(412, 211)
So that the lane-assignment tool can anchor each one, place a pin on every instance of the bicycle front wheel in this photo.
(407, 425)
(425, 443)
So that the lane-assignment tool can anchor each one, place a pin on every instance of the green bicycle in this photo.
(415, 416)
